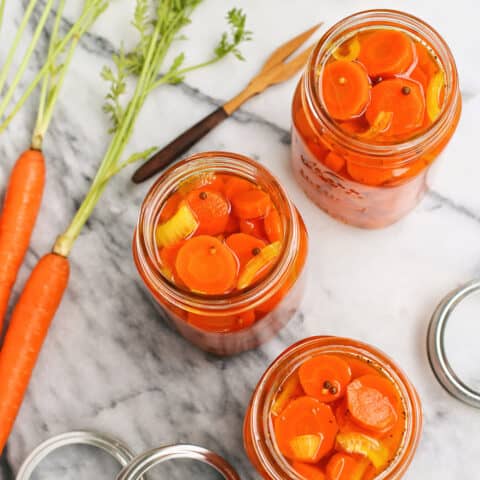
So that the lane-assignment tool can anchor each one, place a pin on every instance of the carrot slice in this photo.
(325, 377)
(344, 467)
(211, 209)
(234, 185)
(369, 447)
(232, 225)
(306, 416)
(308, 472)
(244, 246)
(380, 125)
(273, 226)
(254, 227)
(258, 265)
(206, 265)
(170, 207)
(289, 390)
(346, 89)
(168, 255)
(368, 175)
(251, 204)
(334, 162)
(387, 52)
(373, 402)
(177, 228)
(209, 323)
(404, 98)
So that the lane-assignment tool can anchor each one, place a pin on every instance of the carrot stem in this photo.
(26, 58)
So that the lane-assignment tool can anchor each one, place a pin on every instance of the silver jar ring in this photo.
(143, 463)
(110, 445)
(436, 346)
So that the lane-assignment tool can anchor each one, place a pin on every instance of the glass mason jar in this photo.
(399, 169)
(213, 323)
(259, 440)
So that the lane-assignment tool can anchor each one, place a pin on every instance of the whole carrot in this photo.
(20, 210)
(27, 330)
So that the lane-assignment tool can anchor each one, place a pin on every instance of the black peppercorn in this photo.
(203, 195)
(406, 90)
(256, 251)
(327, 385)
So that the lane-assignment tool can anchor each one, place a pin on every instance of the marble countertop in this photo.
(111, 365)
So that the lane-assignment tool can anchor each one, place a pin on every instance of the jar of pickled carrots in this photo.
(332, 408)
(222, 249)
(378, 102)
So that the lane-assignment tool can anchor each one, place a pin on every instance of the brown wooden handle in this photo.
(180, 145)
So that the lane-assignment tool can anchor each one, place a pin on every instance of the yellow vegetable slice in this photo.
(349, 51)
(434, 91)
(305, 447)
(369, 447)
(180, 226)
(258, 263)
(382, 122)
(288, 389)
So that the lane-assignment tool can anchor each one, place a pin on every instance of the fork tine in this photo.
(285, 50)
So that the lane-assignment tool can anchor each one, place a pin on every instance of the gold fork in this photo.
(275, 70)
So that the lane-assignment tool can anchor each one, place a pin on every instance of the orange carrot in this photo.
(273, 226)
(251, 204)
(234, 185)
(346, 89)
(245, 247)
(170, 207)
(28, 328)
(211, 209)
(334, 161)
(207, 266)
(387, 52)
(373, 402)
(404, 98)
(20, 210)
(308, 471)
(325, 377)
(253, 227)
(305, 417)
(344, 467)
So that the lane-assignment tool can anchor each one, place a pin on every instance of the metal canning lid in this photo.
(112, 446)
(143, 463)
(436, 346)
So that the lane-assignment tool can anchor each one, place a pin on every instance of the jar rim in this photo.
(407, 148)
(144, 240)
(289, 360)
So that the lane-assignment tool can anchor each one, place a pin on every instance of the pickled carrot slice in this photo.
(177, 228)
(253, 227)
(232, 225)
(372, 176)
(344, 467)
(334, 162)
(306, 416)
(360, 444)
(205, 265)
(404, 98)
(381, 123)
(251, 204)
(234, 185)
(346, 89)
(325, 377)
(348, 51)
(305, 447)
(170, 207)
(258, 264)
(387, 52)
(209, 323)
(434, 92)
(372, 402)
(273, 226)
(168, 255)
(211, 209)
(290, 389)
(308, 472)
(244, 246)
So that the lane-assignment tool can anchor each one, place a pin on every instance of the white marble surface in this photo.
(110, 364)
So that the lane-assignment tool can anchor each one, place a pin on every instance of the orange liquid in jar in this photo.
(337, 417)
(378, 87)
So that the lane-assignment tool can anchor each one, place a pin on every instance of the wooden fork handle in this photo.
(180, 145)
